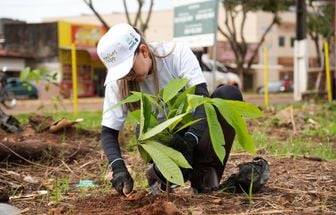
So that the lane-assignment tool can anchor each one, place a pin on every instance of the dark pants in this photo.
(205, 157)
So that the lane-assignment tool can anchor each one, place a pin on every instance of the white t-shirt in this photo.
(181, 63)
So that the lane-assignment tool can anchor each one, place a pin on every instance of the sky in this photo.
(35, 10)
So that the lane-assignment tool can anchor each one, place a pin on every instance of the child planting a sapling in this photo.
(138, 69)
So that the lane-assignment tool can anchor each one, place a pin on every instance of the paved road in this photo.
(282, 98)
(96, 104)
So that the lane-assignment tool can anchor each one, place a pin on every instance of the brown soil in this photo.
(297, 185)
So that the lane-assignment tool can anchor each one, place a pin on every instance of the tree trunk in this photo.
(319, 60)
(240, 72)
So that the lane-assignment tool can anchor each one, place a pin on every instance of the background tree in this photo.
(139, 22)
(141, 19)
(237, 41)
(319, 20)
(93, 9)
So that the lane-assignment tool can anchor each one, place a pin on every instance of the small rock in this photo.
(6, 209)
(4, 197)
(30, 179)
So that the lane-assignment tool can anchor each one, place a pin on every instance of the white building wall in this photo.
(12, 64)
(263, 21)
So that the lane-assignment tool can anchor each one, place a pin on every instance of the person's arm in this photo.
(187, 143)
(196, 130)
(121, 179)
(109, 140)
(185, 65)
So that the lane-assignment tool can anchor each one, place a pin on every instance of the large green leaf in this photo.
(150, 98)
(145, 114)
(165, 164)
(181, 98)
(235, 119)
(133, 117)
(144, 154)
(160, 127)
(188, 124)
(172, 89)
(246, 109)
(187, 118)
(215, 129)
(147, 108)
(176, 156)
(172, 113)
(153, 121)
(194, 101)
(181, 108)
(173, 125)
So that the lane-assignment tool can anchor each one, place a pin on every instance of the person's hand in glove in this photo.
(121, 179)
(185, 145)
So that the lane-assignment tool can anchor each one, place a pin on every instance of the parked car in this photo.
(276, 87)
(22, 89)
(223, 75)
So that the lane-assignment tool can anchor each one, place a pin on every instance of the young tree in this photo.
(319, 20)
(140, 21)
(237, 41)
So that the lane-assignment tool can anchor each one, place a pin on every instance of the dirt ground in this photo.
(46, 182)
(297, 186)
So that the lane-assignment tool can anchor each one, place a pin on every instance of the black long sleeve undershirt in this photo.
(110, 144)
(198, 128)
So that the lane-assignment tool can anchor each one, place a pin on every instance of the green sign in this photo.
(195, 21)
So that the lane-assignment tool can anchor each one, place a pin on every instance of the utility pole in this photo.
(300, 51)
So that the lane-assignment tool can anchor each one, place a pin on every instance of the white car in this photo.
(223, 75)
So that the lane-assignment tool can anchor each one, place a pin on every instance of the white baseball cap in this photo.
(116, 50)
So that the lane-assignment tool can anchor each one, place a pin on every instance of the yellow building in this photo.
(90, 71)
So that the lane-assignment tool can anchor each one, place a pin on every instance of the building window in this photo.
(292, 40)
(281, 41)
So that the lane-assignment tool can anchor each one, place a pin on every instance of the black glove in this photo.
(121, 179)
(185, 145)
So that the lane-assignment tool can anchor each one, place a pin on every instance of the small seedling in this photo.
(60, 187)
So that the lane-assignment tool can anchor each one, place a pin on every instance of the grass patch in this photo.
(297, 147)
(315, 136)
(92, 120)
(304, 144)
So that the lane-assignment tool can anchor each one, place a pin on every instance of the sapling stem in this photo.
(167, 189)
